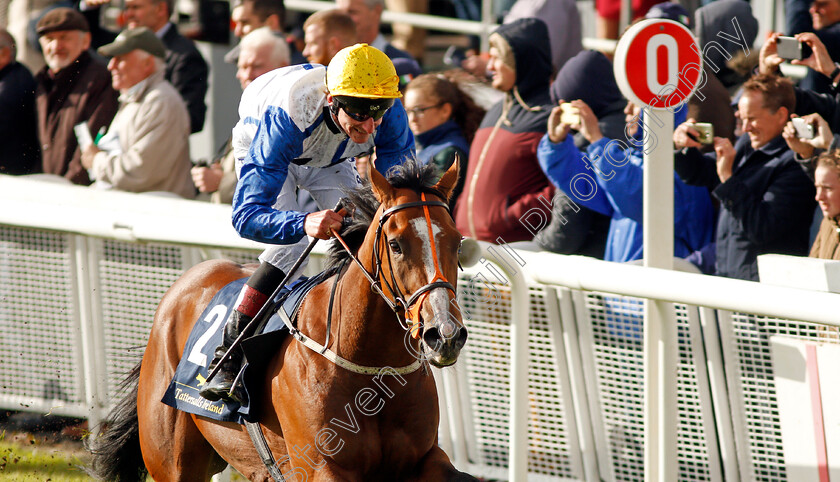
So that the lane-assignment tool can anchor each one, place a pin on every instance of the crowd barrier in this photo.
(548, 388)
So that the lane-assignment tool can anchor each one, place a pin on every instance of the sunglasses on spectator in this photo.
(360, 110)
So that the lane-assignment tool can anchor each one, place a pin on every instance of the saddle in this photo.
(192, 370)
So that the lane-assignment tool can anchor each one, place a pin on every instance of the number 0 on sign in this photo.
(658, 64)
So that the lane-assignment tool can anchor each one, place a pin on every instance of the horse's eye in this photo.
(395, 246)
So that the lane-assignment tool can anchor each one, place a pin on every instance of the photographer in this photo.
(766, 201)
(807, 102)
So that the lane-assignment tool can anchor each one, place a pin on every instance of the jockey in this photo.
(296, 132)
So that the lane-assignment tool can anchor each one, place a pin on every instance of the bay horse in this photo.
(405, 241)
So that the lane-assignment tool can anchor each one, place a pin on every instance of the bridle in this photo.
(410, 307)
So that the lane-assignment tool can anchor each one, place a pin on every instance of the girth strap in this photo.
(258, 439)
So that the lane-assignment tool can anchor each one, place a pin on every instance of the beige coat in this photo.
(153, 128)
(827, 243)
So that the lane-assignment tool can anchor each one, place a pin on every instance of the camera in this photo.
(570, 114)
(804, 130)
(789, 48)
(705, 131)
(202, 162)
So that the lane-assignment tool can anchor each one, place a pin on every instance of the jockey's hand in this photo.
(321, 224)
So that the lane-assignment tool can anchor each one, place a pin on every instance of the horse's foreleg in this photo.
(437, 466)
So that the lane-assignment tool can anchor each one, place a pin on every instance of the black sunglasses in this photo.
(361, 110)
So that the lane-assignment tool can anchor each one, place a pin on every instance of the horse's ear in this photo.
(447, 182)
(379, 185)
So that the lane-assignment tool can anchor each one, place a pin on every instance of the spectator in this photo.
(19, 151)
(23, 17)
(711, 102)
(367, 15)
(808, 150)
(249, 15)
(825, 16)
(260, 51)
(563, 21)
(608, 180)
(608, 12)
(407, 69)
(504, 180)
(827, 183)
(72, 88)
(186, 69)
(443, 120)
(797, 17)
(721, 56)
(588, 78)
(808, 102)
(766, 200)
(408, 37)
(92, 11)
(326, 32)
(564, 32)
(146, 149)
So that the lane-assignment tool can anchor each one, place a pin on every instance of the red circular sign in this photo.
(658, 63)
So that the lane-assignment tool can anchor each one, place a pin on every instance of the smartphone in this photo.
(789, 48)
(804, 130)
(706, 132)
(570, 115)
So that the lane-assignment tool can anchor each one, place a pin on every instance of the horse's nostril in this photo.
(462, 337)
(432, 338)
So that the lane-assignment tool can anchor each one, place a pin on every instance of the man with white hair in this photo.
(260, 51)
(147, 146)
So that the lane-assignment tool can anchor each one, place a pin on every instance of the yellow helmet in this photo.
(362, 71)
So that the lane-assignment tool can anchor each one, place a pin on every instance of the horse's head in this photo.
(417, 245)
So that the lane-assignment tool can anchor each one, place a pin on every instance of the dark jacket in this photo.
(439, 146)
(187, 71)
(815, 81)
(81, 92)
(504, 179)
(19, 151)
(716, 18)
(765, 207)
(826, 105)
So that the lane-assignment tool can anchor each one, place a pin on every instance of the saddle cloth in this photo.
(206, 334)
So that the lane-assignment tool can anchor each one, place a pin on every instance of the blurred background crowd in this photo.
(107, 93)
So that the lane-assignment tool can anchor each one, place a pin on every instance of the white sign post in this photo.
(657, 66)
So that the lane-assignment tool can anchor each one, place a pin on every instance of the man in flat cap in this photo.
(186, 69)
(146, 149)
(74, 87)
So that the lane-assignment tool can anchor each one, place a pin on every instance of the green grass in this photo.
(21, 463)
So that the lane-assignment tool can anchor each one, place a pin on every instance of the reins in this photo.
(399, 302)
(396, 305)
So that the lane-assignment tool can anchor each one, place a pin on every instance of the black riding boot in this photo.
(220, 386)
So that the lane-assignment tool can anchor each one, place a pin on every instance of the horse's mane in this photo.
(410, 175)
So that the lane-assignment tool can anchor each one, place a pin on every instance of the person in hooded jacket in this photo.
(607, 178)
(504, 181)
(586, 77)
